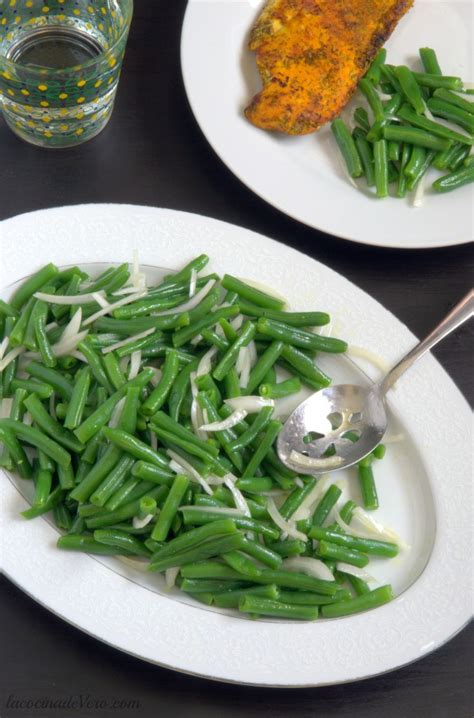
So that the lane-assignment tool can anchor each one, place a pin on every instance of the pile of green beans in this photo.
(395, 142)
(120, 462)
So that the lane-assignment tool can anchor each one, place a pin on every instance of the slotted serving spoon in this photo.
(338, 426)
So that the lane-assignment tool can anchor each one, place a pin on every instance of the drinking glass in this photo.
(60, 63)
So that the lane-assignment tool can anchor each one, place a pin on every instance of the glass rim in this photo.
(40, 69)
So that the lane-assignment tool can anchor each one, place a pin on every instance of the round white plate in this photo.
(304, 176)
(424, 482)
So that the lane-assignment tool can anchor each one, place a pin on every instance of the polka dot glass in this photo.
(61, 106)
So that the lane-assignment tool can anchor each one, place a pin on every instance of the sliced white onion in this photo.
(246, 366)
(153, 441)
(286, 526)
(370, 528)
(79, 355)
(354, 571)
(304, 509)
(5, 408)
(184, 467)
(205, 365)
(11, 356)
(214, 480)
(115, 305)
(124, 342)
(137, 562)
(235, 418)
(192, 283)
(299, 482)
(191, 303)
(322, 464)
(135, 361)
(51, 325)
(117, 413)
(309, 566)
(68, 299)
(419, 192)
(251, 404)
(170, 577)
(27, 419)
(141, 523)
(3, 346)
(73, 325)
(240, 502)
(237, 322)
(127, 290)
(252, 352)
(100, 299)
(214, 510)
(64, 347)
(157, 374)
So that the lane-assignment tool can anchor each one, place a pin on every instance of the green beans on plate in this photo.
(107, 421)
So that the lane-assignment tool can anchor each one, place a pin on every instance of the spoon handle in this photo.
(461, 312)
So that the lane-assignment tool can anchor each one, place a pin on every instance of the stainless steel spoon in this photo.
(350, 420)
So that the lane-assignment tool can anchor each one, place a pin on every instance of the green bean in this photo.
(434, 81)
(265, 555)
(289, 547)
(242, 564)
(205, 306)
(66, 477)
(373, 599)
(304, 365)
(417, 159)
(150, 472)
(29, 337)
(402, 180)
(336, 552)
(224, 437)
(180, 389)
(325, 505)
(365, 153)
(347, 147)
(280, 390)
(170, 508)
(230, 357)
(79, 397)
(115, 376)
(193, 515)
(41, 389)
(229, 331)
(359, 586)
(367, 486)
(7, 310)
(410, 88)
(184, 274)
(459, 155)
(121, 540)
(373, 98)
(16, 413)
(96, 366)
(454, 99)
(53, 500)
(147, 507)
(17, 334)
(272, 431)
(196, 537)
(62, 517)
(212, 338)
(255, 485)
(394, 150)
(260, 422)
(87, 543)
(435, 128)
(230, 599)
(209, 570)
(469, 161)
(33, 284)
(103, 413)
(373, 73)
(97, 474)
(298, 337)
(443, 159)
(296, 498)
(261, 299)
(129, 327)
(148, 305)
(263, 606)
(415, 136)
(454, 180)
(39, 316)
(126, 493)
(213, 547)
(347, 511)
(361, 118)
(50, 426)
(294, 319)
(430, 61)
(15, 450)
(8, 375)
(231, 384)
(127, 510)
(312, 599)
(183, 336)
(206, 383)
(453, 113)
(263, 364)
(51, 376)
(370, 546)
(112, 481)
(133, 446)
(196, 585)
(37, 438)
(381, 167)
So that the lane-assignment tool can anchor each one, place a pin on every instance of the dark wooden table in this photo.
(153, 153)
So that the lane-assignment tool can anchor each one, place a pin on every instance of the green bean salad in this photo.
(145, 418)
(417, 120)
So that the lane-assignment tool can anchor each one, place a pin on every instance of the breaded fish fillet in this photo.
(311, 55)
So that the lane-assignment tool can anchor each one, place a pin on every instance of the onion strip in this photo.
(250, 404)
(286, 526)
(309, 566)
(235, 418)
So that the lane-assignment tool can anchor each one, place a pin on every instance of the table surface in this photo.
(153, 153)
